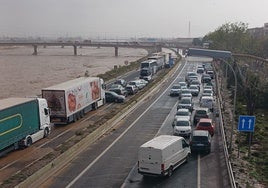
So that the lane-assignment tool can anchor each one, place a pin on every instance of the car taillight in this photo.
(162, 167)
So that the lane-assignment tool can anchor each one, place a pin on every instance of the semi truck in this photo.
(160, 59)
(23, 121)
(71, 100)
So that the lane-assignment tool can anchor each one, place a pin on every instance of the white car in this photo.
(207, 92)
(136, 83)
(194, 90)
(182, 126)
(175, 90)
(186, 102)
(183, 112)
(207, 102)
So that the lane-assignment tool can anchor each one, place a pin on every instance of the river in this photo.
(23, 74)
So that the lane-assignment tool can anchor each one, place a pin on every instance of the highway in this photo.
(111, 161)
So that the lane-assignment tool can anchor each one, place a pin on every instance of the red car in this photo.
(205, 124)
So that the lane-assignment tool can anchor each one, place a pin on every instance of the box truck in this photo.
(23, 121)
(162, 155)
(71, 100)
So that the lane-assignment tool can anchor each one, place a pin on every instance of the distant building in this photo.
(259, 32)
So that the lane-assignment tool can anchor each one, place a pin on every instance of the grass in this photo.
(258, 158)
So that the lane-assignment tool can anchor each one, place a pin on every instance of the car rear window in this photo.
(200, 138)
(201, 112)
(205, 124)
(182, 113)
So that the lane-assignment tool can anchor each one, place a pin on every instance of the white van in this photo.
(207, 102)
(161, 155)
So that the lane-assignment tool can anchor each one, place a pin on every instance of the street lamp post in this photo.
(235, 89)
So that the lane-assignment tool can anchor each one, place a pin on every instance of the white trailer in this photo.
(160, 59)
(70, 100)
(161, 155)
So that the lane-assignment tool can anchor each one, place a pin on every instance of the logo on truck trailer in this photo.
(9, 123)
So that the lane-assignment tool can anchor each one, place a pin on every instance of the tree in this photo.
(230, 36)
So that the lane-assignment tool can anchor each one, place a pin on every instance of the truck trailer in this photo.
(23, 121)
(71, 100)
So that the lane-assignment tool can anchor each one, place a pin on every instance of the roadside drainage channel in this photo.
(51, 168)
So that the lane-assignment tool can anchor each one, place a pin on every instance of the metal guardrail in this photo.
(225, 148)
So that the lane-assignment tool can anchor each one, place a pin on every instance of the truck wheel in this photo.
(46, 132)
(29, 142)
(170, 171)
(81, 113)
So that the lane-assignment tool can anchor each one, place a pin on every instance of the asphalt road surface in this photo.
(112, 160)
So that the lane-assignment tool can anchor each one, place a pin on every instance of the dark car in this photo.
(205, 78)
(111, 96)
(211, 74)
(201, 113)
(200, 140)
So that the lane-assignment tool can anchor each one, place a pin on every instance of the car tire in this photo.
(170, 171)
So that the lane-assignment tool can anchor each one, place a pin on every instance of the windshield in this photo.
(207, 91)
(182, 123)
(175, 87)
(145, 72)
(185, 101)
(144, 65)
(193, 87)
(181, 113)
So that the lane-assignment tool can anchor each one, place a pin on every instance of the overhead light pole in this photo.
(234, 106)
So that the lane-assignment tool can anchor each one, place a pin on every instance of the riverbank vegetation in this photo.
(252, 94)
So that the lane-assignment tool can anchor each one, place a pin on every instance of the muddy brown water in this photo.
(23, 74)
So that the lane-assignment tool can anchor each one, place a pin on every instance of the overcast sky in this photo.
(125, 18)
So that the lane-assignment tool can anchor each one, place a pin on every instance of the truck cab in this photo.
(146, 74)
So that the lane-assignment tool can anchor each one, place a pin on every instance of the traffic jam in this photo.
(193, 120)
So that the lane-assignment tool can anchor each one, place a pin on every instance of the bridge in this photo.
(149, 47)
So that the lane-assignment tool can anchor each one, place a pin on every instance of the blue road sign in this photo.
(246, 123)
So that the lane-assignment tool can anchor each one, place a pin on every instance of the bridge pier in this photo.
(75, 50)
(116, 51)
(35, 50)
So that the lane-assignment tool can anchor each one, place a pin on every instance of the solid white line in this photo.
(198, 172)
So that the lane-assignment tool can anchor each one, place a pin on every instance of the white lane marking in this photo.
(134, 167)
(113, 143)
(198, 172)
